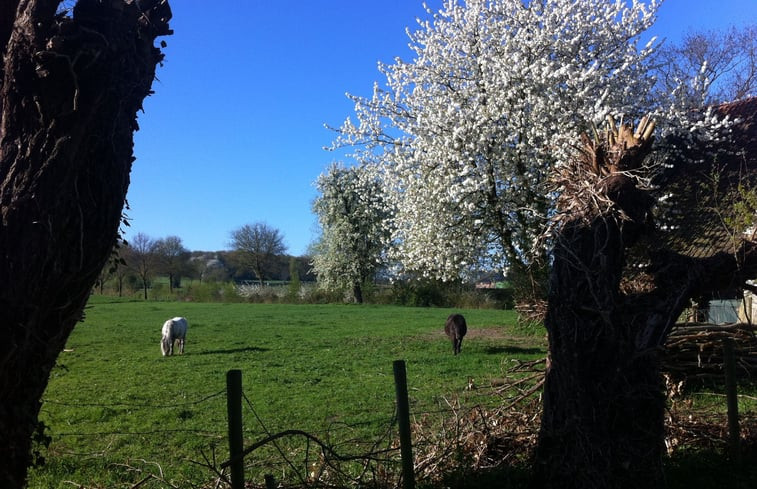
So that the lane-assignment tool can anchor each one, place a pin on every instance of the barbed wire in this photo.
(136, 406)
(137, 433)
(326, 461)
(340, 425)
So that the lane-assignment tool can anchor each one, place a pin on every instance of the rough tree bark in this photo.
(71, 88)
(357, 293)
(602, 423)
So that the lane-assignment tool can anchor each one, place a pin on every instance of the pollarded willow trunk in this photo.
(602, 425)
(71, 90)
(604, 403)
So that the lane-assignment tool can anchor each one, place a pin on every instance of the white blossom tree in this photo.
(494, 98)
(353, 215)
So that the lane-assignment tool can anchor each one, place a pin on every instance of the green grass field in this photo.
(117, 410)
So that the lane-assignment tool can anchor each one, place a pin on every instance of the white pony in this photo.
(173, 330)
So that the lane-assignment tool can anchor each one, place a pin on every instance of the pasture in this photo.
(118, 411)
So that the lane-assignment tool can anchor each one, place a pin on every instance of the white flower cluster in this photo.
(467, 134)
(353, 214)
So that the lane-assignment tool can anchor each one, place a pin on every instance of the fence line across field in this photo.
(237, 451)
(137, 405)
(237, 432)
(250, 431)
(402, 419)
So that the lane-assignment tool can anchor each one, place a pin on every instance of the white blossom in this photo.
(468, 132)
(353, 215)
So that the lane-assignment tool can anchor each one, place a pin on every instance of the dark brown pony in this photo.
(456, 328)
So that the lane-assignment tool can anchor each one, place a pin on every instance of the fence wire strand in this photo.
(122, 405)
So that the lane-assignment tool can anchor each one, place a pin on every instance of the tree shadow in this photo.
(517, 476)
(247, 349)
(512, 350)
(703, 469)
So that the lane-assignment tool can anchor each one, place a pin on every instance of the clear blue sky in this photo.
(234, 132)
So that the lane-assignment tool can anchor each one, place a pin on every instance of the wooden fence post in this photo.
(403, 419)
(270, 482)
(236, 440)
(734, 437)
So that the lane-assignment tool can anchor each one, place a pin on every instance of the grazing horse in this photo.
(173, 330)
(456, 328)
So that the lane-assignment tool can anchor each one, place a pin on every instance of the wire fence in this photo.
(134, 410)
(445, 437)
(341, 451)
(448, 436)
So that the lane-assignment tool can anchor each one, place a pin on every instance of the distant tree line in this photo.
(151, 267)
(138, 262)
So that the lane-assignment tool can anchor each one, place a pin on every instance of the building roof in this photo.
(704, 185)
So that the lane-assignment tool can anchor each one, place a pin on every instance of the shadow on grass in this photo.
(512, 350)
(247, 349)
(690, 470)
(707, 469)
(517, 477)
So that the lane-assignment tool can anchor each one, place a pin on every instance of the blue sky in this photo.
(234, 133)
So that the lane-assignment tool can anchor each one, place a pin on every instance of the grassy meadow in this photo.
(117, 411)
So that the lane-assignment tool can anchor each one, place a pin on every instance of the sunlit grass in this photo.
(116, 406)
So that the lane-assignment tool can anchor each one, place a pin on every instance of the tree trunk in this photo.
(70, 93)
(604, 400)
(144, 288)
(357, 292)
(602, 424)
(604, 403)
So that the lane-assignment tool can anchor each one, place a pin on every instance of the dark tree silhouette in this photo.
(140, 256)
(71, 86)
(172, 259)
(604, 399)
(257, 246)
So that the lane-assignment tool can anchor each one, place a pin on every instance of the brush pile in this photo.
(695, 351)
